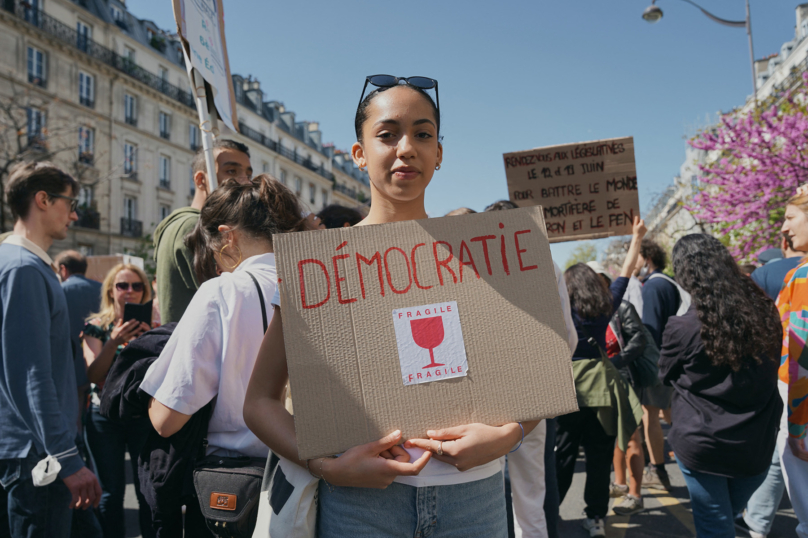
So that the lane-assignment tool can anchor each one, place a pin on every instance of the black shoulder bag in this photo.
(229, 488)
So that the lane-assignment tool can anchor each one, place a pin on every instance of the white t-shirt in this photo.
(212, 353)
(438, 473)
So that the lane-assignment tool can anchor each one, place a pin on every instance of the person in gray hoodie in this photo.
(175, 274)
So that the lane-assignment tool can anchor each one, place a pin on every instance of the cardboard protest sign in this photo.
(588, 190)
(200, 24)
(420, 325)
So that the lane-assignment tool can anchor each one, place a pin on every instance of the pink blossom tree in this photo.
(756, 160)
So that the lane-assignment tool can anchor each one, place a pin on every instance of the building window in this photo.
(37, 67)
(86, 144)
(86, 250)
(129, 159)
(164, 77)
(192, 187)
(36, 126)
(32, 10)
(165, 172)
(129, 60)
(86, 89)
(165, 125)
(324, 193)
(130, 207)
(312, 194)
(165, 211)
(85, 196)
(265, 167)
(283, 176)
(130, 109)
(298, 186)
(115, 13)
(84, 34)
(194, 139)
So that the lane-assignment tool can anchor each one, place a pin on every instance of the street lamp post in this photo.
(653, 13)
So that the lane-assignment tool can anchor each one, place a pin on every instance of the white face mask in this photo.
(643, 271)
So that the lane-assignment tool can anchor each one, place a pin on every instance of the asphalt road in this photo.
(665, 515)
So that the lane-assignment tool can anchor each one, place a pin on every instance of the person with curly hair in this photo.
(720, 357)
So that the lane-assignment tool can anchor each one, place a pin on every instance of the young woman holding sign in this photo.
(449, 485)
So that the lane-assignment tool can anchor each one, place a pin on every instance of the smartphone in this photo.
(140, 312)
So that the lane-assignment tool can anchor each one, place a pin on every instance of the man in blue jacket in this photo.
(661, 301)
(40, 467)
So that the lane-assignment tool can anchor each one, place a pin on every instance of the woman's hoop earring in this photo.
(221, 256)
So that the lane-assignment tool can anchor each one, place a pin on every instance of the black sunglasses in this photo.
(74, 202)
(388, 81)
(124, 286)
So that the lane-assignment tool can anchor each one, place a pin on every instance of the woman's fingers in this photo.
(385, 443)
(408, 469)
(399, 454)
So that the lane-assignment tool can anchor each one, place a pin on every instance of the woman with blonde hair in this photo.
(105, 335)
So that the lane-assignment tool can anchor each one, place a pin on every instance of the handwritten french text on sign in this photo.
(586, 190)
(430, 343)
(201, 24)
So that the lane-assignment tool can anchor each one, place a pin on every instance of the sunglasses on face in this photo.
(388, 81)
(124, 286)
(74, 202)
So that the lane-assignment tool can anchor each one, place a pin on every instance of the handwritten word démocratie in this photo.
(445, 268)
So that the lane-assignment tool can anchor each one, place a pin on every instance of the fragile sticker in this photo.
(430, 343)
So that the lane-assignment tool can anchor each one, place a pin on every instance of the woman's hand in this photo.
(638, 231)
(797, 447)
(471, 445)
(124, 332)
(364, 466)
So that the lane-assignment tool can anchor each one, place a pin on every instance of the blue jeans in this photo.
(34, 512)
(763, 505)
(716, 499)
(401, 511)
(108, 442)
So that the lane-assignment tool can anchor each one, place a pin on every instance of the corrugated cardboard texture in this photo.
(588, 190)
(342, 355)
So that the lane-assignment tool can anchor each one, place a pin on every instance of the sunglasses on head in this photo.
(74, 202)
(388, 81)
(124, 286)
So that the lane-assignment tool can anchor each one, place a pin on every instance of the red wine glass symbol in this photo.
(428, 334)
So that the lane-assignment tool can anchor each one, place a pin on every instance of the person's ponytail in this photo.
(261, 208)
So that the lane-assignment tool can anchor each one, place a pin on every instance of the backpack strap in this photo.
(260, 298)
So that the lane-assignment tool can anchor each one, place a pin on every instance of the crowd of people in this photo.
(90, 371)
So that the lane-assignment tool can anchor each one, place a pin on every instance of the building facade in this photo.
(106, 96)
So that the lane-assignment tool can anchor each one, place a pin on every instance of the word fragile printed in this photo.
(445, 267)
(427, 312)
(434, 375)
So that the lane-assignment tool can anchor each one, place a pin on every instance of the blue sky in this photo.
(513, 75)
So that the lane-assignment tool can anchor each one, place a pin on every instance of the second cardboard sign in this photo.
(421, 325)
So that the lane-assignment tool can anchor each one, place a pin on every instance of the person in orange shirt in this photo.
(792, 304)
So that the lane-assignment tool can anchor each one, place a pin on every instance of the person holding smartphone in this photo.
(104, 336)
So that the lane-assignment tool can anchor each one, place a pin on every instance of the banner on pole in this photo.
(587, 190)
(200, 24)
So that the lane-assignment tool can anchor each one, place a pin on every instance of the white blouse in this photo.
(212, 353)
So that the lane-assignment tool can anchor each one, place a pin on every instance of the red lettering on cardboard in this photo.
(338, 279)
(376, 258)
(414, 268)
(300, 265)
(460, 258)
(387, 270)
(484, 240)
(504, 255)
(443, 263)
(519, 251)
